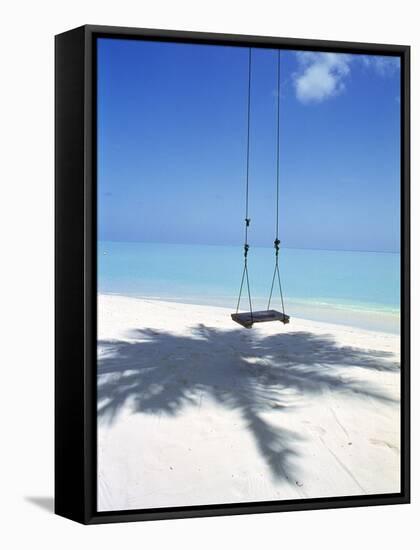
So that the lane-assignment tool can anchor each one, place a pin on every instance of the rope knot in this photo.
(247, 221)
(246, 248)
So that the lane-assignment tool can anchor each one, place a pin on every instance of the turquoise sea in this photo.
(354, 288)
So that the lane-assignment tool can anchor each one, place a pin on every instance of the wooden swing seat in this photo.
(247, 319)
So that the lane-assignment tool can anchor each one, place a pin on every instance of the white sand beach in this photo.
(194, 409)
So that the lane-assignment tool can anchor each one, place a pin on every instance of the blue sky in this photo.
(172, 124)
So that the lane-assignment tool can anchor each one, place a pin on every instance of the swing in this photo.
(247, 319)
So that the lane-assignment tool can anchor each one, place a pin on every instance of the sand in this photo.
(194, 409)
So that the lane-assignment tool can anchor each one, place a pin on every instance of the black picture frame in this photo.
(75, 274)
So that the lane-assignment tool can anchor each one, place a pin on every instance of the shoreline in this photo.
(318, 312)
(344, 287)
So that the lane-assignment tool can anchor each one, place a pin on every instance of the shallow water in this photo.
(354, 288)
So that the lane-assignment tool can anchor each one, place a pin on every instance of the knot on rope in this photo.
(247, 221)
(277, 244)
(246, 248)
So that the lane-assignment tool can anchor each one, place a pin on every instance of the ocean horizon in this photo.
(355, 288)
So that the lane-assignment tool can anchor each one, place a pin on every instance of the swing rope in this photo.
(276, 274)
(277, 241)
(245, 274)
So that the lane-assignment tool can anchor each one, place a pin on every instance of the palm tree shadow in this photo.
(158, 372)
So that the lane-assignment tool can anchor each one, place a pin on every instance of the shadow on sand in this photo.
(159, 372)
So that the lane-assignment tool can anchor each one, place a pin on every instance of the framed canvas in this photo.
(232, 274)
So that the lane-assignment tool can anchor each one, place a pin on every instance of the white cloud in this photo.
(321, 75)
(324, 75)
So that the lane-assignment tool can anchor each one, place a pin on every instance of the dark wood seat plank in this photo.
(247, 319)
